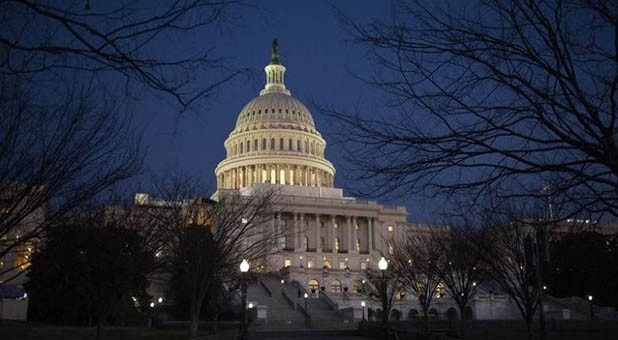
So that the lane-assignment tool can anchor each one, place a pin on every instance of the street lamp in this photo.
(244, 269)
(306, 296)
(383, 265)
(363, 308)
(591, 308)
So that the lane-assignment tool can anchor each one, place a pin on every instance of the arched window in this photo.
(451, 314)
(298, 148)
(290, 144)
(433, 314)
(272, 143)
(313, 285)
(264, 144)
(235, 149)
(248, 146)
(335, 287)
(337, 244)
(281, 144)
(395, 315)
(241, 147)
(306, 147)
(413, 314)
(255, 145)
(312, 149)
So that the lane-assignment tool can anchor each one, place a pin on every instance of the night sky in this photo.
(320, 64)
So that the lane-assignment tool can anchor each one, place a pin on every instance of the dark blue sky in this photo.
(320, 66)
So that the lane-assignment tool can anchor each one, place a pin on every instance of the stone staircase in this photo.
(286, 306)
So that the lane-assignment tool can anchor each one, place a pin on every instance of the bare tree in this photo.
(458, 266)
(56, 155)
(503, 246)
(45, 39)
(414, 260)
(207, 239)
(514, 95)
(383, 287)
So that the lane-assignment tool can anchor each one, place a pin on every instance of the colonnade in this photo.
(244, 176)
(325, 233)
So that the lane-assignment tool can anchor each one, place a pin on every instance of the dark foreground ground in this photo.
(32, 331)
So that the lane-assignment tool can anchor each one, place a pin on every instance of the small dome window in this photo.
(248, 146)
(272, 143)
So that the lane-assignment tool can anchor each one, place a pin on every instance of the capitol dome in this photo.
(275, 140)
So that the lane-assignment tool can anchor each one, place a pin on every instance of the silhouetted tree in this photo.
(58, 151)
(415, 259)
(511, 95)
(207, 240)
(90, 267)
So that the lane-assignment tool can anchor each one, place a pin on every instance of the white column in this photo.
(333, 234)
(370, 233)
(354, 235)
(349, 234)
(317, 233)
(295, 232)
(302, 232)
(275, 234)
(280, 232)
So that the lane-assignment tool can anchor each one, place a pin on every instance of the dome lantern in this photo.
(275, 73)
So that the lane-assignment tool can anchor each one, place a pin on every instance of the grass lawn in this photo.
(32, 331)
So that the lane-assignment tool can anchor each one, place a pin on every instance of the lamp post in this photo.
(306, 296)
(591, 307)
(244, 269)
(383, 265)
(363, 308)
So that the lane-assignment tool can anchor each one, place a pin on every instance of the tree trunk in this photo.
(425, 321)
(99, 331)
(214, 321)
(462, 320)
(528, 320)
(194, 319)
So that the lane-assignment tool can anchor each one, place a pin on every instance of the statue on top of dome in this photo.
(274, 59)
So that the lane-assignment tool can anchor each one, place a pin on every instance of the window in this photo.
(342, 265)
(272, 143)
(390, 228)
(298, 146)
(322, 242)
(313, 285)
(241, 147)
(281, 242)
(336, 226)
(358, 286)
(264, 144)
(287, 263)
(306, 147)
(335, 287)
(326, 263)
(281, 144)
(337, 244)
(356, 226)
(305, 243)
(255, 145)
(363, 264)
(357, 244)
(390, 250)
(309, 263)
(248, 146)
(290, 144)
(235, 149)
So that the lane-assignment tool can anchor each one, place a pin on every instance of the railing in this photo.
(303, 311)
(364, 252)
(270, 294)
(311, 250)
(330, 301)
(287, 299)
(342, 251)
